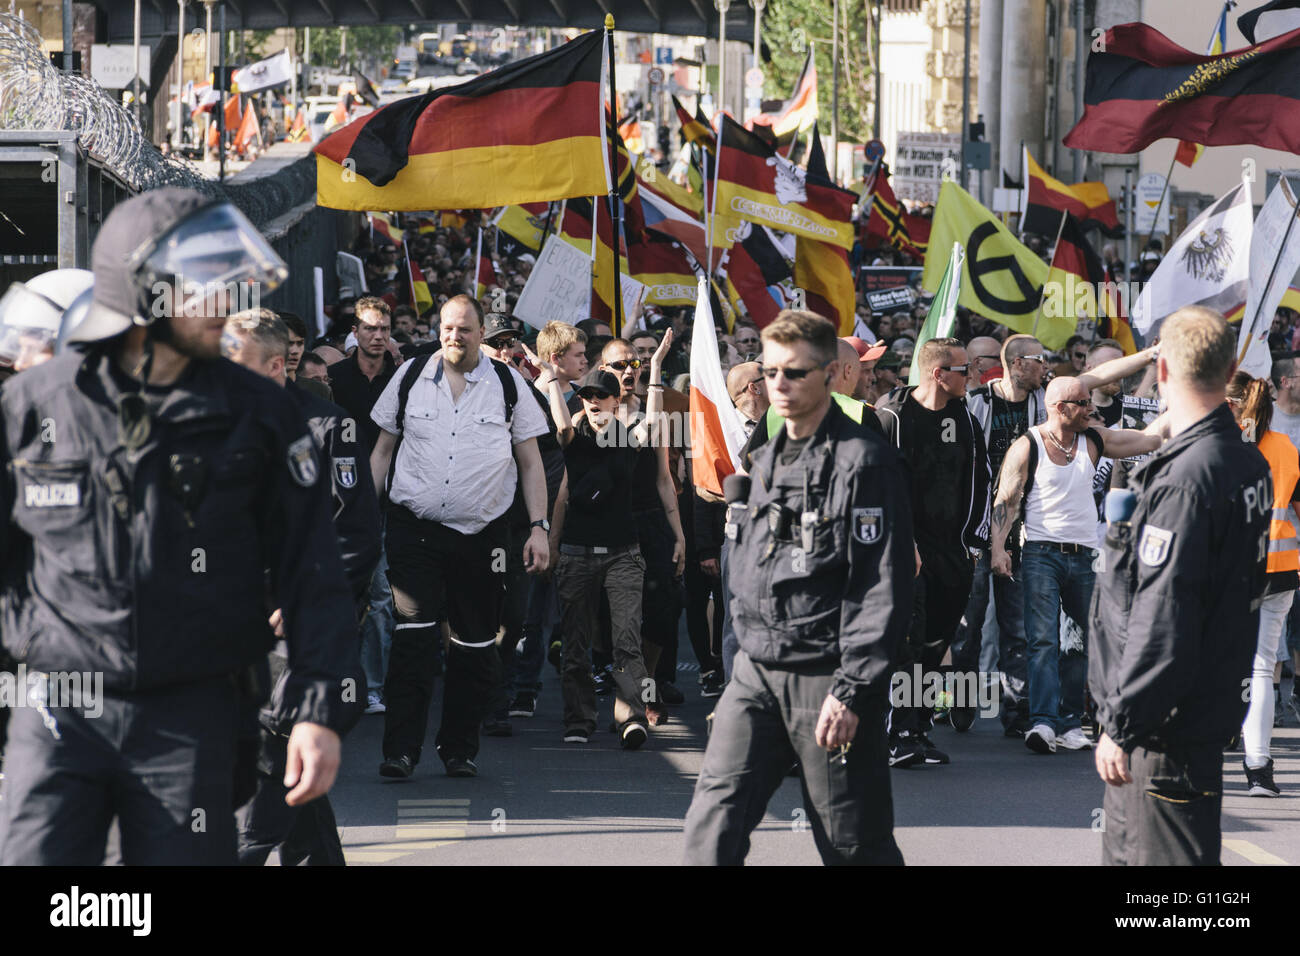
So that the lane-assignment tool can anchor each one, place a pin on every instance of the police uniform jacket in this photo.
(1175, 610)
(150, 566)
(848, 599)
(353, 505)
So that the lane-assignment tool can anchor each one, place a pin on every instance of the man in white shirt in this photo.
(1056, 569)
(453, 451)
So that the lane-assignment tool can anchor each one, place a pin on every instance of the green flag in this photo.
(943, 310)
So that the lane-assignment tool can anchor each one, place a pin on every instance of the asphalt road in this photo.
(538, 800)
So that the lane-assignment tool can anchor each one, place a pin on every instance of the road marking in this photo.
(422, 824)
(1253, 853)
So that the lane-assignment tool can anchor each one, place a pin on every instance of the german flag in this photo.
(695, 129)
(753, 264)
(526, 132)
(298, 132)
(630, 130)
(381, 223)
(890, 221)
(1076, 278)
(1145, 87)
(485, 273)
(822, 269)
(417, 285)
(625, 180)
(1046, 198)
(666, 272)
(755, 183)
(576, 228)
(797, 114)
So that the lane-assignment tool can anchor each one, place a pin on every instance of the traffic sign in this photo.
(656, 76)
(664, 55)
(874, 150)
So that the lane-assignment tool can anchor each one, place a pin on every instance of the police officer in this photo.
(1176, 609)
(150, 484)
(819, 585)
(261, 341)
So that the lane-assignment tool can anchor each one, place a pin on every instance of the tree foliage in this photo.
(790, 27)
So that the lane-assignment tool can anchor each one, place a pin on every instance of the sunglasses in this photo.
(1081, 402)
(1041, 360)
(624, 364)
(593, 395)
(504, 341)
(955, 368)
(770, 372)
(1080, 355)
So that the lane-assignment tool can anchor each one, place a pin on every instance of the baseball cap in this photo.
(866, 353)
(498, 323)
(599, 380)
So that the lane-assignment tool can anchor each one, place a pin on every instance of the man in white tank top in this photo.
(1049, 471)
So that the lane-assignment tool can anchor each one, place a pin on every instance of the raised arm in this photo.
(1119, 368)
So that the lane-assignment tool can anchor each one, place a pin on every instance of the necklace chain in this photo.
(1068, 453)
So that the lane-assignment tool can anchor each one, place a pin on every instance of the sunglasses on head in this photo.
(623, 364)
(791, 374)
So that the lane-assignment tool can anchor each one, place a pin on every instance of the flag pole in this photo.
(1038, 313)
(1155, 220)
(614, 217)
(1272, 274)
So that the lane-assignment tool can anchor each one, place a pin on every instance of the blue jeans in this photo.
(377, 629)
(1055, 581)
(525, 667)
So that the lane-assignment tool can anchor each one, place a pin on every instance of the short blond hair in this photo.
(557, 338)
(1198, 348)
(799, 325)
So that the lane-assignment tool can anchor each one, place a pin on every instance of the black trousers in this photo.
(937, 610)
(306, 834)
(514, 609)
(161, 761)
(1169, 814)
(765, 719)
(439, 574)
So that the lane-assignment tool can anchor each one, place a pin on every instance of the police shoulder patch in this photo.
(868, 524)
(301, 458)
(1153, 546)
(345, 472)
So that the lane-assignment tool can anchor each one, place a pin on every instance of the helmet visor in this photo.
(216, 248)
(29, 322)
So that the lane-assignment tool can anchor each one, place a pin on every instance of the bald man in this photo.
(748, 392)
(984, 354)
(1050, 469)
(846, 377)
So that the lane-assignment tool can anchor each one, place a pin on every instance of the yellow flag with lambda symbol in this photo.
(1002, 280)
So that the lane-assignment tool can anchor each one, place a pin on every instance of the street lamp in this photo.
(723, 6)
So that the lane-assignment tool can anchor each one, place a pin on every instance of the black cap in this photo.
(599, 379)
(498, 323)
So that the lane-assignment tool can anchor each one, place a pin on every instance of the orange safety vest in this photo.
(1284, 462)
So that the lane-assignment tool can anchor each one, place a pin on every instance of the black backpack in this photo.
(508, 388)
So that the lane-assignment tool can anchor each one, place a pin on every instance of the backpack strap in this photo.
(417, 365)
(508, 387)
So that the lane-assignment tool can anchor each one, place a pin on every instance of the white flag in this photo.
(1209, 265)
(717, 429)
(1274, 252)
(264, 74)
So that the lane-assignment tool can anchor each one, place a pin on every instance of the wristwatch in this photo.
(543, 524)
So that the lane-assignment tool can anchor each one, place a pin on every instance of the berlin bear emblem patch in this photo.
(868, 524)
(1153, 548)
(345, 472)
(301, 459)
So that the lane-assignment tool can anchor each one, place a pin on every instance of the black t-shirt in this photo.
(1007, 422)
(599, 512)
(791, 449)
(1112, 413)
(938, 470)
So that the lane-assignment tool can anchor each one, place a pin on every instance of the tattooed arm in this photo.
(1006, 506)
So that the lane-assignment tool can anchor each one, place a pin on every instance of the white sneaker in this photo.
(1074, 739)
(1041, 739)
(374, 705)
